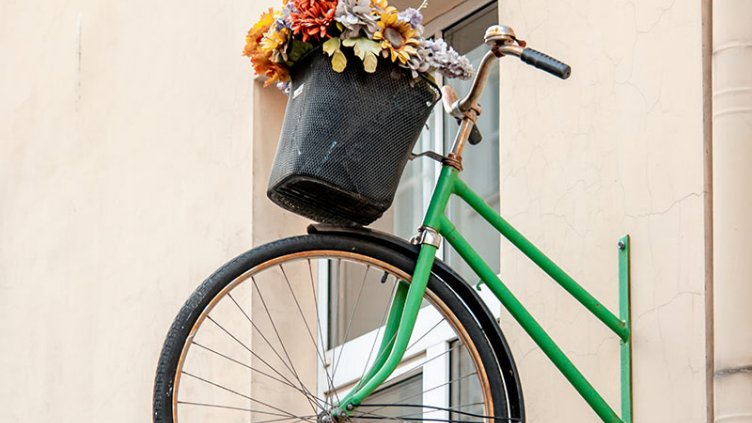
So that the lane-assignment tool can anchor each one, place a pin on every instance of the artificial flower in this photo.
(397, 37)
(257, 32)
(380, 5)
(275, 42)
(258, 48)
(357, 18)
(367, 28)
(437, 55)
(313, 18)
(414, 18)
(274, 72)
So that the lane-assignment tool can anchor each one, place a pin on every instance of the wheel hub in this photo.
(333, 415)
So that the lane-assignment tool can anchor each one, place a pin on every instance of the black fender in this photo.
(463, 290)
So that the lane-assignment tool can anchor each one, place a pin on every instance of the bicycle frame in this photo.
(408, 297)
(406, 303)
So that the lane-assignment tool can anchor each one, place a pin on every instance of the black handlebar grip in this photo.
(546, 63)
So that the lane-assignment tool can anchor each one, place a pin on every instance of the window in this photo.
(443, 379)
(410, 387)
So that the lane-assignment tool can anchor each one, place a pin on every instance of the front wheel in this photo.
(280, 333)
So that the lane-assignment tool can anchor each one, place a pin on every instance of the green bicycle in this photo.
(264, 340)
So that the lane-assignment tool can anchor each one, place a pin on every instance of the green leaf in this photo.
(367, 50)
(297, 50)
(331, 46)
(339, 61)
(362, 46)
(370, 62)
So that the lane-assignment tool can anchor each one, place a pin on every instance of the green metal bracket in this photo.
(625, 316)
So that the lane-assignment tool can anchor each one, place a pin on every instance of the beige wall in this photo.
(616, 149)
(127, 168)
(125, 179)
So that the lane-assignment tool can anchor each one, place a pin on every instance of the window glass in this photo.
(357, 301)
(464, 391)
(412, 194)
(481, 162)
(402, 219)
(369, 301)
(408, 391)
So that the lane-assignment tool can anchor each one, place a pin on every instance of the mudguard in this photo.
(463, 290)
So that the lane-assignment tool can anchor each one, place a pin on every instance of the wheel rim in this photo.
(265, 412)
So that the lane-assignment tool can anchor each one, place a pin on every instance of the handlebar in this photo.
(546, 63)
(503, 42)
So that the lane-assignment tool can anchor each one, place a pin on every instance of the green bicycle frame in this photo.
(407, 300)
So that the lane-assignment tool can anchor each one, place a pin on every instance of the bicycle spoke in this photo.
(429, 390)
(383, 323)
(228, 407)
(303, 419)
(285, 413)
(426, 333)
(308, 328)
(248, 349)
(330, 381)
(435, 409)
(371, 416)
(255, 386)
(255, 370)
(349, 323)
(412, 417)
(292, 370)
(274, 327)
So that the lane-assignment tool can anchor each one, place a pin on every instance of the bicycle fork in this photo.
(399, 327)
(407, 299)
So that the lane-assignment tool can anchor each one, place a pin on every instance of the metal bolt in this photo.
(622, 245)
(350, 407)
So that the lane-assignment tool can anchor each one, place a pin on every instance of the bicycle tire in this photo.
(459, 311)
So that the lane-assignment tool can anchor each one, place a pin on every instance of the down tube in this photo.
(528, 322)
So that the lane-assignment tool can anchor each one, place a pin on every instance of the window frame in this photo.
(433, 348)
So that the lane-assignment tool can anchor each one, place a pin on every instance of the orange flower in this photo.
(262, 57)
(256, 33)
(313, 18)
(274, 72)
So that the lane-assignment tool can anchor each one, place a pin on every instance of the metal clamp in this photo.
(428, 236)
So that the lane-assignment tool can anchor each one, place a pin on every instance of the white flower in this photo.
(357, 18)
(437, 56)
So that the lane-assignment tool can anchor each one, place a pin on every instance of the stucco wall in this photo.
(125, 179)
(126, 174)
(616, 149)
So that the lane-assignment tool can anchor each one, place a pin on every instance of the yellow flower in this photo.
(273, 43)
(379, 4)
(398, 39)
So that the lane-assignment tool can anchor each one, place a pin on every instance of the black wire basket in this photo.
(346, 138)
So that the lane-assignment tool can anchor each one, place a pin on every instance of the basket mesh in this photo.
(346, 138)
